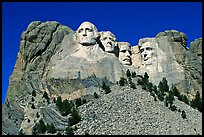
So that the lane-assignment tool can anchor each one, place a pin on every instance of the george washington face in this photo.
(86, 34)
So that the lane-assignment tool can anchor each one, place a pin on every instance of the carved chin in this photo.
(126, 62)
(109, 49)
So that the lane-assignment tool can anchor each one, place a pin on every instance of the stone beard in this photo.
(108, 40)
(125, 53)
(148, 52)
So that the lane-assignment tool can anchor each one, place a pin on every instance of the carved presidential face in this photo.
(147, 51)
(108, 40)
(125, 53)
(87, 34)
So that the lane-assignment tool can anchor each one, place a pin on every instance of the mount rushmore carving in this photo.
(59, 61)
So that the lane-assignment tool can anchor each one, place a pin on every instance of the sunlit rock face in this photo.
(108, 40)
(125, 53)
(59, 61)
(85, 57)
(166, 55)
(196, 47)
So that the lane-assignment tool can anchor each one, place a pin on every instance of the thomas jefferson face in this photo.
(147, 51)
(86, 34)
(125, 52)
(108, 40)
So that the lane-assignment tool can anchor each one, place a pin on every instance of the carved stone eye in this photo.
(148, 48)
(79, 31)
(141, 50)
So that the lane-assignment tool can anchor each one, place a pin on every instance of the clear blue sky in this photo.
(129, 21)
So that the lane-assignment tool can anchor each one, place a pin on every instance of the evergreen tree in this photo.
(59, 101)
(33, 106)
(96, 95)
(132, 85)
(128, 73)
(150, 87)
(78, 102)
(172, 107)
(65, 108)
(40, 127)
(146, 78)
(54, 100)
(139, 81)
(69, 131)
(134, 74)
(183, 114)
(51, 128)
(155, 89)
(37, 115)
(45, 95)
(33, 93)
(75, 117)
(122, 81)
(197, 102)
(175, 91)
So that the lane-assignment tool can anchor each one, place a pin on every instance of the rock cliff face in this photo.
(51, 60)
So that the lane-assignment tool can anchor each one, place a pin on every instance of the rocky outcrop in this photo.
(173, 61)
(134, 112)
(52, 61)
(196, 47)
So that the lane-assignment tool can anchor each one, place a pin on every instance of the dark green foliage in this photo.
(40, 127)
(129, 80)
(33, 93)
(51, 128)
(128, 73)
(37, 115)
(175, 91)
(183, 114)
(45, 95)
(160, 96)
(122, 81)
(32, 99)
(134, 74)
(84, 101)
(86, 133)
(78, 102)
(197, 102)
(172, 107)
(184, 99)
(65, 109)
(163, 86)
(139, 81)
(54, 100)
(33, 106)
(106, 88)
(149, 87)
(170, 97)
(59, 101)
(75, 117)
(132, 85)
(155, 89)
(96, 95)
(146, 78)
(69, 131)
